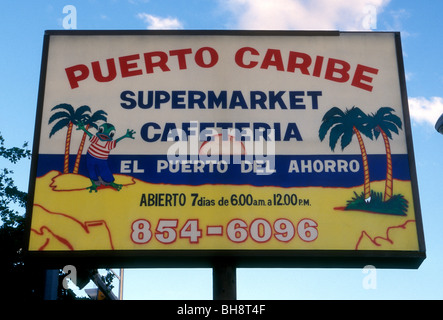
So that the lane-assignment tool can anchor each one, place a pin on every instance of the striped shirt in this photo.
(100, 149)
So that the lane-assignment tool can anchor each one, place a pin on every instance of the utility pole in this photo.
(120, 289)
(120, 281)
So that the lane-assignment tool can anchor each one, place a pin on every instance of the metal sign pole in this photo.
(224, 281)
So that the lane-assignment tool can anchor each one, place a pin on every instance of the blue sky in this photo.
(23, 24)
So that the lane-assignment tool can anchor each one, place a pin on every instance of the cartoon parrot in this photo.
(96, 158)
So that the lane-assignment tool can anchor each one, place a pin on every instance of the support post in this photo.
(224, 281)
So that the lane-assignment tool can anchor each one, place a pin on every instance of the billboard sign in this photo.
(264, 147)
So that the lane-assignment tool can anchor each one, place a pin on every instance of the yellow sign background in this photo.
(68, 217)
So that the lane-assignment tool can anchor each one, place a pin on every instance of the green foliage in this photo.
(108, 278)
(17, 283)
(397, 205)
(12, 222)
(9, 194)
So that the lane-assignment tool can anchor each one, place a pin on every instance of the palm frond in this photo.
(59, 115)
(59, 125)
(394, 119)
(99, 115)
(346, 139)
(80, 111)
(65, 106)
(333, 112)
(331, 118)
(386, 120)
(366, 130)
(335, 134)
(326, 126)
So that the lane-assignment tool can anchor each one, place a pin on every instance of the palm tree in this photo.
(66, 117)
(343, 125)
(88, 121)
(384, 122)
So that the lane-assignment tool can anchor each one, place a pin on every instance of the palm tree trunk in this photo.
(389, 179)
(80, 151)
(67, 146)
(364, 155)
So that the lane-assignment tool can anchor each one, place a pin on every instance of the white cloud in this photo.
(305, 15)
(155, 22)
(425, 111)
